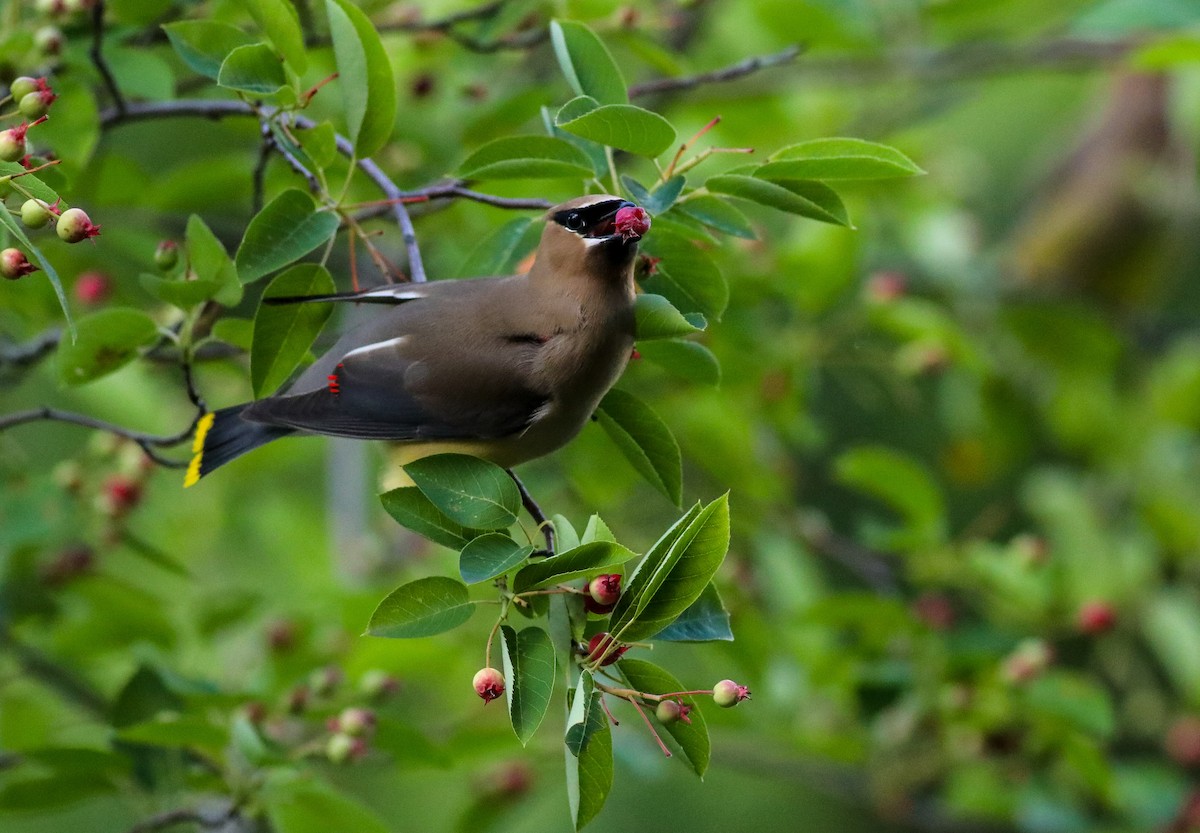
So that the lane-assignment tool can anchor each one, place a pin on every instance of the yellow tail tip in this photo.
(193, 470)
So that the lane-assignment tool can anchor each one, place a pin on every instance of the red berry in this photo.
(14, 265)
(120, 495)
(488, 684)
(728, 694)
(74, 225)
(1096, 617)
(12, 144)
(281, 635)
(885, 287)
(69, 564)
(1183, 741)
(632, 222)
(599, 645)
(92, 288)
(935, 611)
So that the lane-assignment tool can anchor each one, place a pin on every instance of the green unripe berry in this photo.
(166, 255)
(728, 694)
(35, 213)
(22, 86)
(12, 145)
(339, 748)
(34, 105)
(667, 712)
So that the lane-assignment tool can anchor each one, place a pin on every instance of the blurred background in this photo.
(960, 439)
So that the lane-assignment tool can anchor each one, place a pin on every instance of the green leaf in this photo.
(807, 201)
(38, 189)
(423, 607)
(529, 666)
(673, 574)
(296, 804)
(686, 275)
(413, 510)
(320, 143)
(705, 620)
(184, 294)
(589, 754)
(717, 213)
(575, 108)
(657, 318)
(105, 341)
(566, 537)
(1171, 625)
(645, 441)
(279, 20)
(235, 331)
(175, 731)
(498, 253)
(1072, 698)
(368, 88)
(663, 197)
(903, 484)
(284, 333)
(9, 222)
(584, 560)
(586, 62)
(838, 159)
(471, 491)
(204, 44)
(689, 360)
(527, 157)
(253, 69)
(597, 530)
(211, 262)
(624, 127)
(490, 555)
(692, 737)
(287, 228)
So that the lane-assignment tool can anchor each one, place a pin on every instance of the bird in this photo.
(506, 369)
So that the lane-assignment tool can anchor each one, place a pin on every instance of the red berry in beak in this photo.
(632, 222)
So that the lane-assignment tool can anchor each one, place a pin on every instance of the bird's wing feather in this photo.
(391, 294)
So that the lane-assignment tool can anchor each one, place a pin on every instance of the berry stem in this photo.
(607, 711)
(650, 726)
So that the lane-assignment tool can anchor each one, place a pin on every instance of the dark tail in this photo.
(223, 435)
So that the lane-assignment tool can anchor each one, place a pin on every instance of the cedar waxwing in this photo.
(506, 369)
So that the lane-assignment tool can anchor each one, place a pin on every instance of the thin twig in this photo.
(717, 76)
(19, 356)
(260, 168)
(97, 54)
(872, 568)
(454, 189)
(535, 512)
(54, 676)
(147, 442)
(185, 815)
(449, 26)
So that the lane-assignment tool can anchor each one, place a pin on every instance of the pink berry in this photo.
(12, 144)
(669, 711)
(632, 222)
(488, 684)
(885, 287)
(728, 694)
(603, 592)
(120, 495)
(935, 610)
(341, 748)
(92, 288)
(1096, 617)
(74, 225)
(14, 265)
(356, 722)
(599, 645)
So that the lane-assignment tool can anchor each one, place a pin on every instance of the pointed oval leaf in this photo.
(210, 262)
(645, 441)
(184, 294)
(499, 252)
(838, 159)
(204, 44)
(284, 333)
(688, 360)
(686, 275)
(279, 20)
(900, 481)
(529, 666)
(104, 341)
(473, 492)
(526, 157)
(777, 196)
(422, 608)
(411, 509)
(663, 197)
(287, 228)
(705, 620)
(691, 737)
(589, 754)
(36, 188)
(586, 62)
(490, 555)
(667, 586)
(368, 86)
(8, 221)
(624, 127)
(657, 318)
(717, 213)
(253, 69)
(295, 804)
(575, 108)
(584, 560)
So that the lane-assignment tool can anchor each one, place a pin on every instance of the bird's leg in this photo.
(535, 512)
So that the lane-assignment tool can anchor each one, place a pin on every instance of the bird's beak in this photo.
(628, 221)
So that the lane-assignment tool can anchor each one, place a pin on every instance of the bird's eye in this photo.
(574, 221)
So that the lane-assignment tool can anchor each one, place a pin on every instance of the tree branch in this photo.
(54, 676)
(730, 73)
(535, 512)
(186, 815)
(872, 568)
(147, 442)
(97, 55)
(19, 356)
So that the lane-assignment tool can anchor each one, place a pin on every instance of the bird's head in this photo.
(599, 232)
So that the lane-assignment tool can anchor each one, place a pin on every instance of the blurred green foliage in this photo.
(960, 439)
